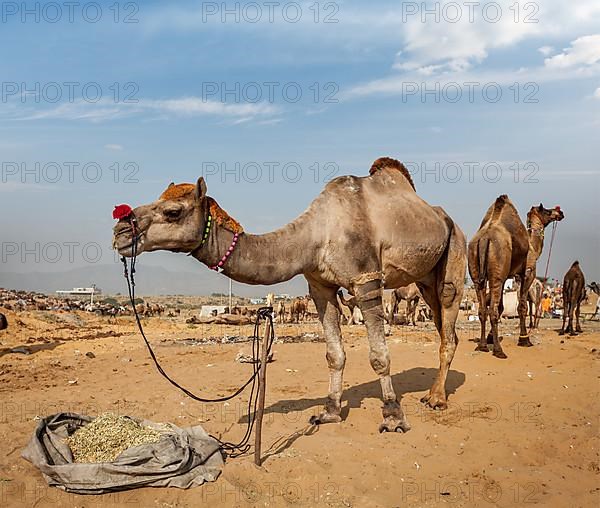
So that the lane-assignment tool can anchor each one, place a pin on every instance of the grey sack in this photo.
(182, 458)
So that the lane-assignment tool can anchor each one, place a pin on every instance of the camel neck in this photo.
(260, 259)
(535, 229)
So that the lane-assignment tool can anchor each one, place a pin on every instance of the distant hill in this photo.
(150, 280)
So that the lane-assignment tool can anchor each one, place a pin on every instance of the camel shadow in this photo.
(417, 379)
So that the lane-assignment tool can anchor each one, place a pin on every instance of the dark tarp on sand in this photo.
(183, 458)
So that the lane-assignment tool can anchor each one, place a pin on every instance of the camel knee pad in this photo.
(368, 290)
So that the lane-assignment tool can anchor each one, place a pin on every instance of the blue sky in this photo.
(175, 64)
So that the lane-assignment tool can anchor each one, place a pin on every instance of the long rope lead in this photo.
(545, 281)
(266, 313)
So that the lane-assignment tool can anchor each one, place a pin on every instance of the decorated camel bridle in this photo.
(218, 215)
(215, 214)
(539, 231)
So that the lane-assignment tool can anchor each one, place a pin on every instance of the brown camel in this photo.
(409, 293)
(534, 299)
(573, 294)
(361, 233)
(281, 312)
(504, 248)
(298, 309)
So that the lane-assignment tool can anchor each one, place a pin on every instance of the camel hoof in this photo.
(434, 401)
(394, 425)
(525, 343)
(562, 332)
(324, 418)
(383, 428)
(573, 334)
(483, 349)
(500, 354)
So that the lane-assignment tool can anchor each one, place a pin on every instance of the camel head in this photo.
(545, 215)
(175, 222)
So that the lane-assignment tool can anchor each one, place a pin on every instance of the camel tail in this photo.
(482, 247)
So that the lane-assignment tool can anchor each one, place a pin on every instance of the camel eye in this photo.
(173, 213)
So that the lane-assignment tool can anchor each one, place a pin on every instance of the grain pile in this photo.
(103, 439)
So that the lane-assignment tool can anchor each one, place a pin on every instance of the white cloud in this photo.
(597, 93)
(583, 51)
(439, 50)
(105, 110)
(113, 146)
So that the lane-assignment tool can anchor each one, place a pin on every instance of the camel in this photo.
(352, 304)
(363, 234)
(298, 309)
(595, 287)
(534, 299)
(573, 294)
(281, 312)
(409, 293)
(270, 300)
(503, 248)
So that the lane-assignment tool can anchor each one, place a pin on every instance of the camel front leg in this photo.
(368, 290)
(564, 317)
(329, 314)
(526, 281)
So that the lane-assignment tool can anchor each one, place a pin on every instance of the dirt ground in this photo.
(521, 431)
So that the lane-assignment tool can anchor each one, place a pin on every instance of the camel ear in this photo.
(541, 207)
(200, 188)
(172, 184)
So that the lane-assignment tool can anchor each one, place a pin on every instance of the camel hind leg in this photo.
(577, 314)
(443, 291)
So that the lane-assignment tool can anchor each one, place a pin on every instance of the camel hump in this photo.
(499, 205)
(388, 162)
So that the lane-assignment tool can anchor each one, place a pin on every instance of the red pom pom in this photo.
(121, 212)
(557, 208)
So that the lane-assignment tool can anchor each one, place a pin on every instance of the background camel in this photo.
(596, 289)
(573, 293)
(280, 312)
(534, 299)
(502, 248)
(361, 233)
(352, 304)
(298, 309)
(270, 300)
(409, 293)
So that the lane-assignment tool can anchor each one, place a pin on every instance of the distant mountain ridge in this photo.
(150, 280)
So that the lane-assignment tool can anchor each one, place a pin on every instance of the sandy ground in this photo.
(521, 431)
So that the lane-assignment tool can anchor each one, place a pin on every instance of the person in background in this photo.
(546, 305)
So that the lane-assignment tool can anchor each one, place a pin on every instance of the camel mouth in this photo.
(123, 242)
